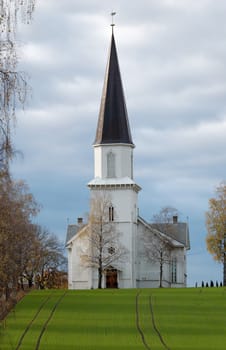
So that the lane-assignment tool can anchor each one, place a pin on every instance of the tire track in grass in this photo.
(154, 324)
(47, 321)
(138, 323)
(31, 322)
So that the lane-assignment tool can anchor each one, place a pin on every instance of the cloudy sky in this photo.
(172, 56)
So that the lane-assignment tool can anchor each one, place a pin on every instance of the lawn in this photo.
(152, 319)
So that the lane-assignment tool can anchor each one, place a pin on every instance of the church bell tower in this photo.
(113, 163)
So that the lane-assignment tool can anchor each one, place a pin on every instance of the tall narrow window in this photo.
(110, 165)
(111, 214)
(174, 270)
(131, 166)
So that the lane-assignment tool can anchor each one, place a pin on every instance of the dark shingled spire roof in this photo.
(113, 123)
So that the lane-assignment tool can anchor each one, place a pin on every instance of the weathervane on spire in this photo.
(112, 23)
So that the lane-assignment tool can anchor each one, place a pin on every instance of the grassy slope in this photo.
(106, 319)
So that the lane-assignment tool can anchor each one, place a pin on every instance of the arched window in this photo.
(110, 164)
(111, 214)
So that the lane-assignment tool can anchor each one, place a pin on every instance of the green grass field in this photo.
(153, 319)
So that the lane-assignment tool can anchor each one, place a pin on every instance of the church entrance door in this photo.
(111, 278)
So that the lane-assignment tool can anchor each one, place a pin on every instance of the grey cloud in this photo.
(172, 58)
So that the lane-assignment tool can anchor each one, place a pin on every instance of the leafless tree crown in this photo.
(13, 84)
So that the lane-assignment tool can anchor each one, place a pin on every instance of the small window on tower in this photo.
(111, 214)
(110, 165)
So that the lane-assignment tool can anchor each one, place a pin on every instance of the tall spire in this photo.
(113, 124)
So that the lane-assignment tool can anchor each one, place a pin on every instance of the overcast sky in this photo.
(172, 56)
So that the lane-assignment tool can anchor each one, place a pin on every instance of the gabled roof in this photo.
(73, 232)
(178, 231)
(172, 240)
(113, 124)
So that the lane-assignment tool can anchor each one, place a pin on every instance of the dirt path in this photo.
(48, 320)
(154, 324)
(30, 323)
(138, 323)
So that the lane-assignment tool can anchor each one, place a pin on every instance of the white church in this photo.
(155, 254)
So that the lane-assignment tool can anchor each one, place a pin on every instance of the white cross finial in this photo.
(112, 23)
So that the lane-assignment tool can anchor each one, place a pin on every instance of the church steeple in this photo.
(113, 163)
(113, 124)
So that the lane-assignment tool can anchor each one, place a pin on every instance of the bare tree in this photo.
(48, 257)
(104, 245)
(157, 249)
(17, 208)
(25, 248)
(165, 217)
(13, 84)
(30, 255)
